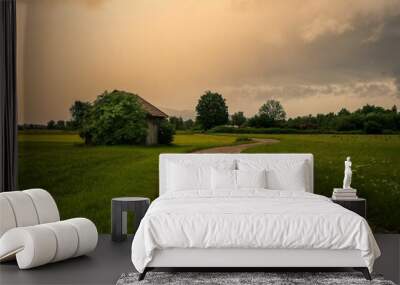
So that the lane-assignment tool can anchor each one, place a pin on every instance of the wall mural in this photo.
(105, 86)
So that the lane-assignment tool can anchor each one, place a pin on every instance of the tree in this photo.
(346, 123)
(188, 124)
(238, 119)
(344, 112)
(115, 118)
(397, 121)
(260, 121)
(272, 110)
(366, 109)
(70, 125)
(51, 125)
(60, 125)
(79, 110)
(177, 123)
(372, 127)
(212, 110)
(166, 132)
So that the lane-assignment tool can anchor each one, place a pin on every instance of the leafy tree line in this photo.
(51, 125)
(369, 119)
(180, 124)
(98, 121)
(212, 112)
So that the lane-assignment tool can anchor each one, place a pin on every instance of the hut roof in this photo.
(152, 110)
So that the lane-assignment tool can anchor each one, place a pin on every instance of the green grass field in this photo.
(84, 179)
(376, 169)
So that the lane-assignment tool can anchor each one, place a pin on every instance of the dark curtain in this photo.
(8, 100)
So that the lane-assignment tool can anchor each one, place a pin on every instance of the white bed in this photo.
(249, 227)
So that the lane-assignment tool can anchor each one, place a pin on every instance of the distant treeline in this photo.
(51, 125)
(212, 116)
(369, 119)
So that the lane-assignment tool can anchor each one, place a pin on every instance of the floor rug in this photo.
(269, 278)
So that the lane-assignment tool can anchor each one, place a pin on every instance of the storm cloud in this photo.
(313, 55)
(368, 89)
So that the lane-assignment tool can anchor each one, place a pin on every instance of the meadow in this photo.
(376, 169)
(83, 179)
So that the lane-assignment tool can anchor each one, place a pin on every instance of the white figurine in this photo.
(347, 174)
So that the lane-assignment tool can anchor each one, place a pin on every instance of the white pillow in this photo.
(281, 174)
(188, 177)
(286, 177)
(251, 178)
(223, 179)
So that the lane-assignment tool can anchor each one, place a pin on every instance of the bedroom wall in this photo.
(315, 57)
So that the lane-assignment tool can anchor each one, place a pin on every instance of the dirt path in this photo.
(237, 148)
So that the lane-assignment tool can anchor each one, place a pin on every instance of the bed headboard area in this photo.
(236, 160)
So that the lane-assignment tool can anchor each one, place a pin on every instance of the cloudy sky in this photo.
(314, 56)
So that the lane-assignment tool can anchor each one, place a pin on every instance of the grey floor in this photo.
(110, 260)
(103, 266)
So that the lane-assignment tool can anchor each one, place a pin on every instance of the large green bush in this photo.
(166, 132)
(79, 110)
(115, 118)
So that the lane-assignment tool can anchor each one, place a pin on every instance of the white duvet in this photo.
(250, 219)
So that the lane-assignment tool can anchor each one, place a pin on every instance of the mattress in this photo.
(250, 219)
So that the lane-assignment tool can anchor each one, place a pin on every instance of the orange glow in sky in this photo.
(313, 56)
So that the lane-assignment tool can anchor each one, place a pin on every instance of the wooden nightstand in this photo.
(358, 205)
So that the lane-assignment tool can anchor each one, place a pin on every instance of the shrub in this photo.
(372, 127)
(166, 132)
(345, 123)
(238, 119)
(261, 121)
(248, 130)
(115, 118)
(349, 123)
(79, 110)
(243, 140)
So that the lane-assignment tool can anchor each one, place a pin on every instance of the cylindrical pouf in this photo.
(67, 240)
(7, 219)
(46, 207)
(23, 208)
(26, 208)
(33, 246)
(87, 235)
